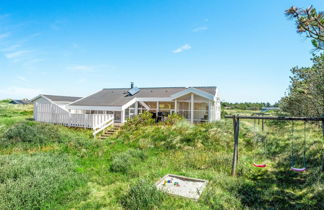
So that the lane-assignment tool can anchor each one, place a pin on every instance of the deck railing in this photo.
(52, 113)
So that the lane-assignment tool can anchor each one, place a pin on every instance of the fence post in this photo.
(323, 138)
(236, 124)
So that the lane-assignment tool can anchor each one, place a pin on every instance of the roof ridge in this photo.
(204, 86)
(61, 95)
(140, 88)
(160, 87)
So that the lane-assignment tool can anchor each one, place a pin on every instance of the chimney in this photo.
(132, 85)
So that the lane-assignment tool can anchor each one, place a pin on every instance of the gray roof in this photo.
(120, 96)
(17, 101)
(62, 98)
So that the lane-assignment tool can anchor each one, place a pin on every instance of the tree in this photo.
(306, 90)
(310, 22)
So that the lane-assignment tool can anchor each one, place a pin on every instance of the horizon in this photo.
(77, 49)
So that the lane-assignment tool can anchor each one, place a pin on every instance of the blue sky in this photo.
(246, 48)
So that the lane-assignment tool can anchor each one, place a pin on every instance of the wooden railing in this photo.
(103, 126)
(52, 113)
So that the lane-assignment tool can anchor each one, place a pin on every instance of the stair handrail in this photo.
(104, 126)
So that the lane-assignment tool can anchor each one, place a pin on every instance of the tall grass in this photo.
(31, 132)
(123, 162)
(36, 181)
(142, 195)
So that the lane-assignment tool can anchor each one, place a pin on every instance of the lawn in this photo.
(54, 167)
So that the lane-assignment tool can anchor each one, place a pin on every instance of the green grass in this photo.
(72, 170)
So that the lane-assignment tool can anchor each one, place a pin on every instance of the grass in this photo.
(36, 181)
(69, 169)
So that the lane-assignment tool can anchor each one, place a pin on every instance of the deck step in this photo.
(109, 132)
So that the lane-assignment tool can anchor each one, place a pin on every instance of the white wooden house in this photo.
(116, 105)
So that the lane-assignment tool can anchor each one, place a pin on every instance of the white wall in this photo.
(218, 106)
(37, 105)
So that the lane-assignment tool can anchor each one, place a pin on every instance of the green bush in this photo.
(124, 161)
(31, 132)
(143, 119)
(40, 181)
(173, 119)
(142, 195)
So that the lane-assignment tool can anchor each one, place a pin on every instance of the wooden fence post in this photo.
(262, 125)
(323, 138)
(323, 127)
(236, 124)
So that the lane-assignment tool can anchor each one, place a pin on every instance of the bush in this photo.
(39, 181)
(173, 119)
(142, 195)
(123, 162)
(31, 132)
(143, 119)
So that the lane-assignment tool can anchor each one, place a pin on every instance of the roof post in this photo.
(122, 116)
(209, 112)
(136, 108)
(192, 108)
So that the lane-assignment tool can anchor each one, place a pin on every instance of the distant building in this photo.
(266, 109)
(18, 101)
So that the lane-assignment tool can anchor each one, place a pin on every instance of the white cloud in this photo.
(81, 81)
(182, 48)
(75, 45)
(56, 25)
(19, 92)
(10, 48)
(201, 28)
(4, 35)
(80, 68)
(21, 78)
(17, 54)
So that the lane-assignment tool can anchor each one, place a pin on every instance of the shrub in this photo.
(123, 162)
(31, 132)
(39, 181)
(143, 119)
(142, 195)
(173, 119)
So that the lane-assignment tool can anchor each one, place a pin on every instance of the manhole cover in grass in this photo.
(182, 186)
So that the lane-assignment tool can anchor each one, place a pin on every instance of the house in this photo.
(116, 105)
(18, 101)
(266, 109)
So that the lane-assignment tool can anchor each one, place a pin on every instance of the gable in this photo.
(195, 91)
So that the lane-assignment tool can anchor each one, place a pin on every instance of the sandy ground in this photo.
(182, 186)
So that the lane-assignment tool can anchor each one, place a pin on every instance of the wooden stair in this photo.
(109, 131)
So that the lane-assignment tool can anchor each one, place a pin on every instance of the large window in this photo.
(184, 109)
(141, 108)
(166, 105)
(117, 117)
(201, 112)
(130, 112)
(152, 106)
